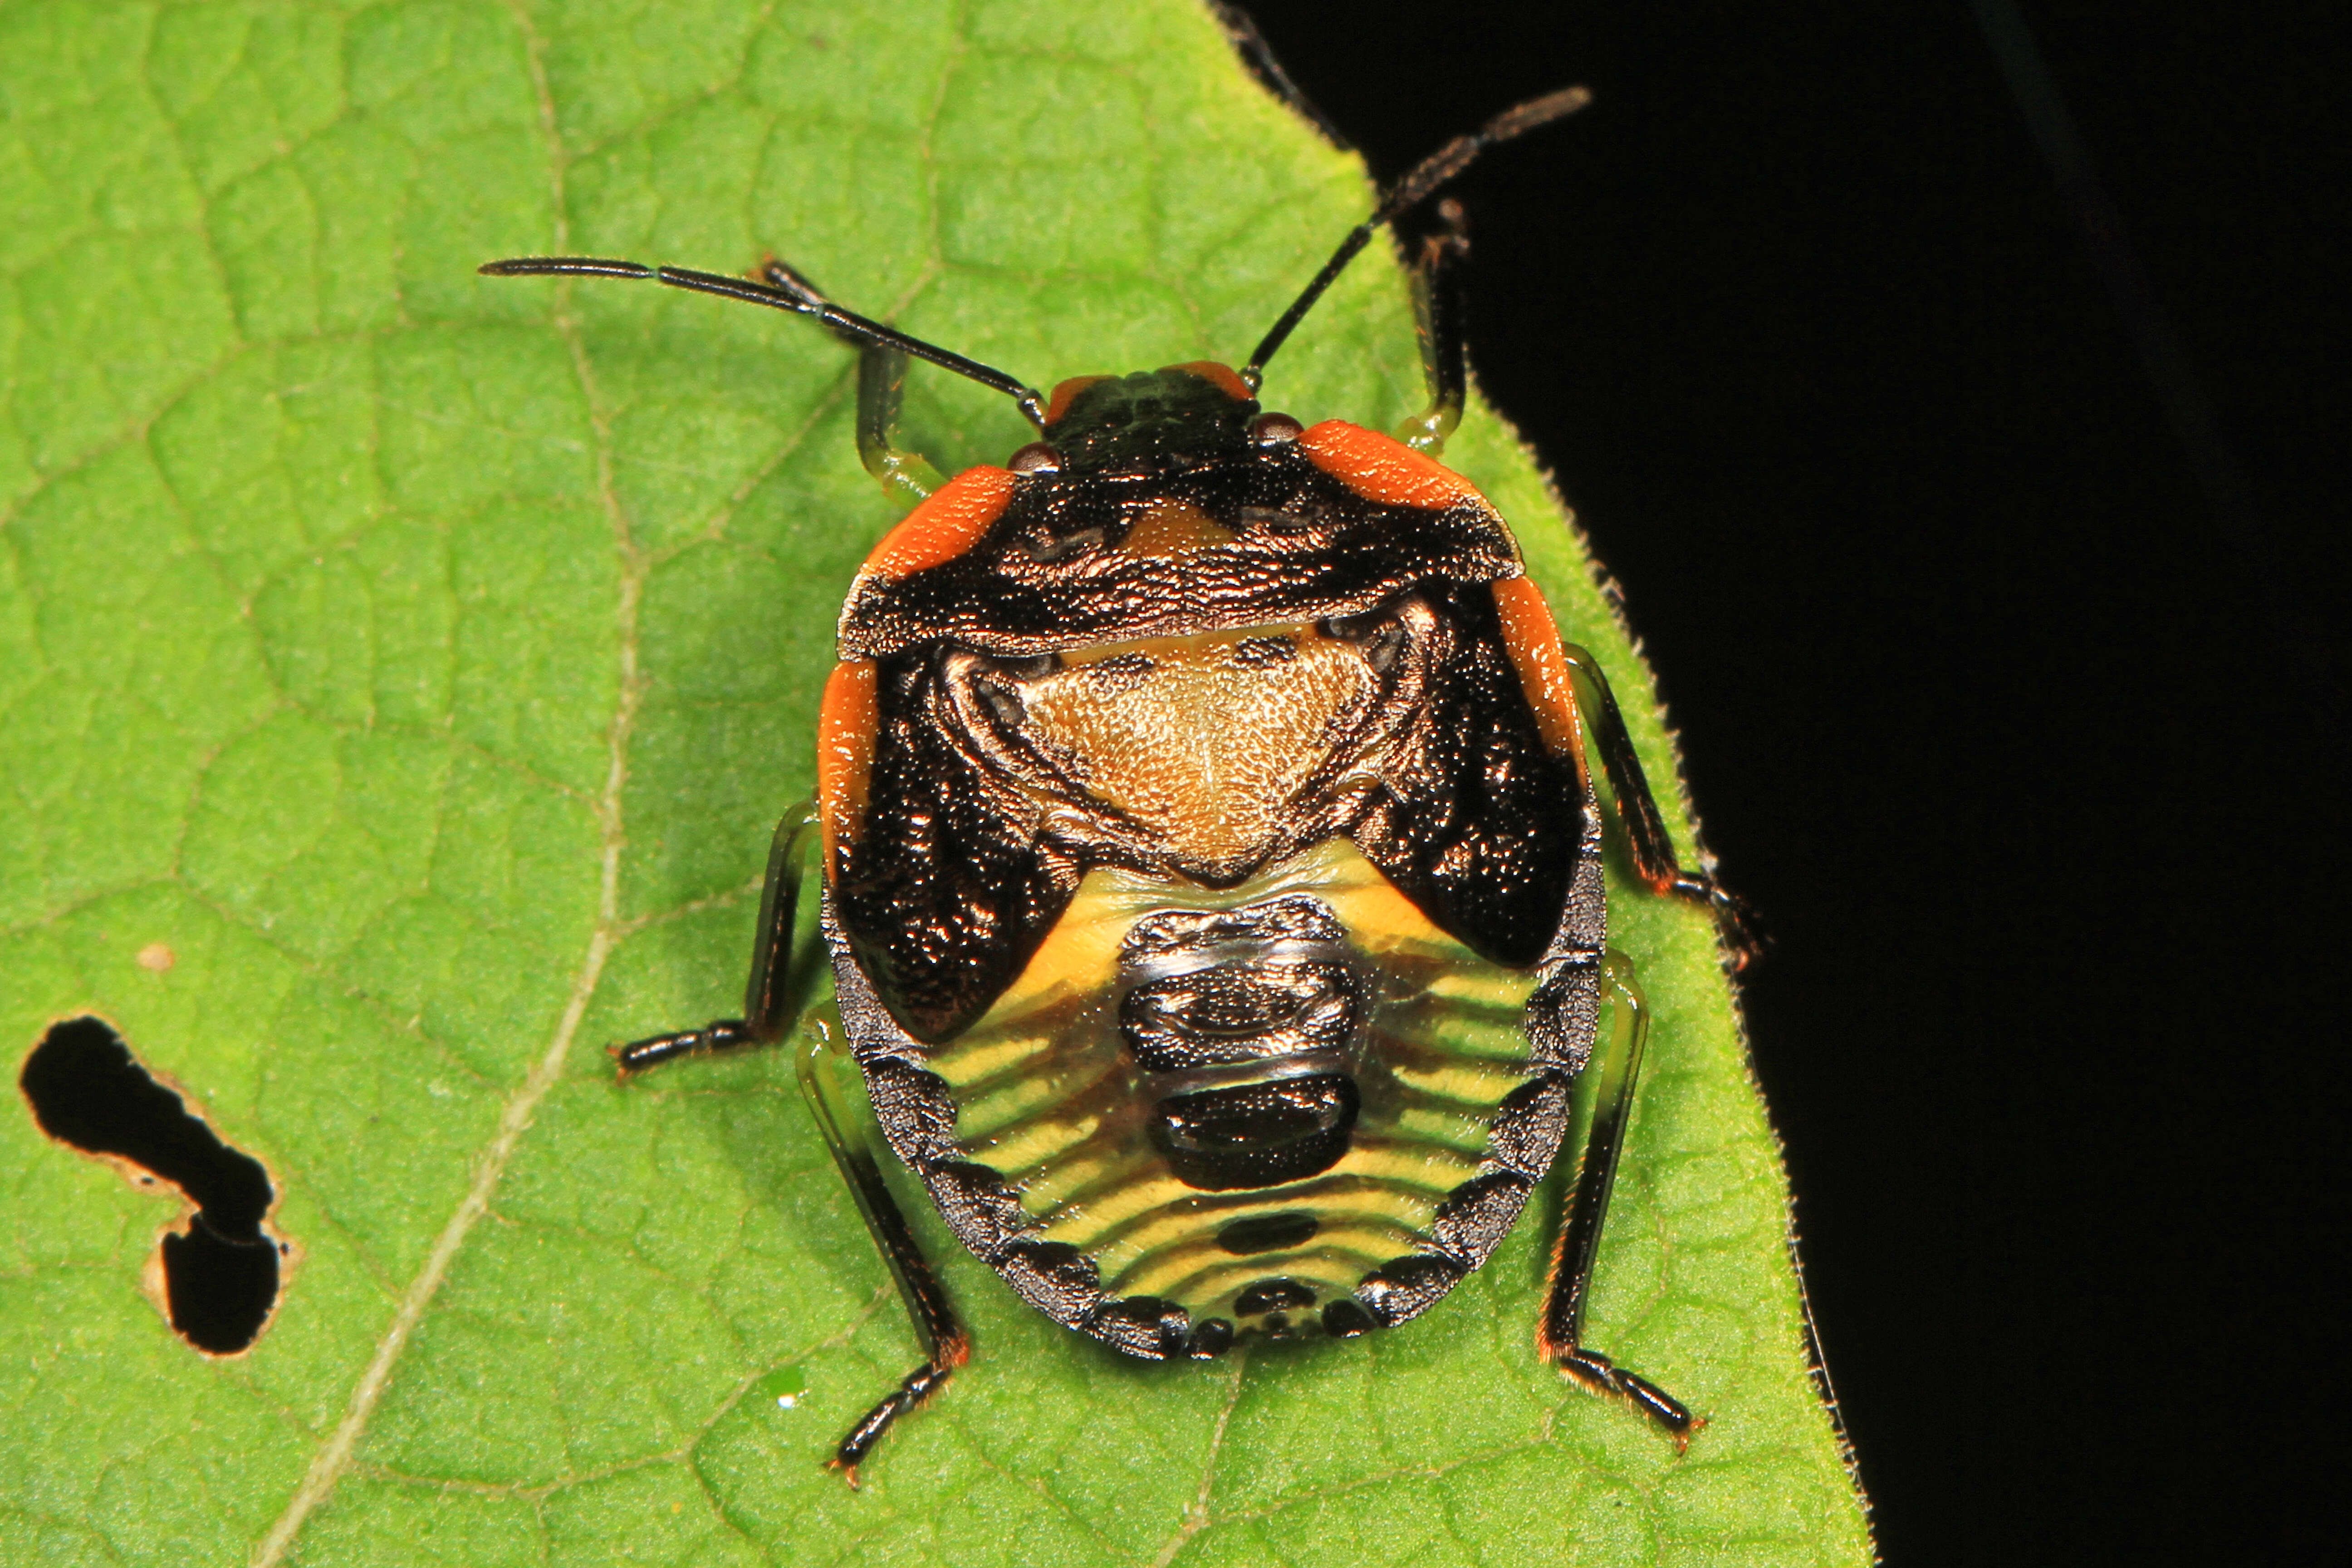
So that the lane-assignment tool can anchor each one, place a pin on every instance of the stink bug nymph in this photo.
(1207, 856)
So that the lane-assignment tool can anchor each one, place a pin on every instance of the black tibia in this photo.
(1607, 1087)
(784, 964)
(1652, 847)
(1437, 316)
(945, 1345)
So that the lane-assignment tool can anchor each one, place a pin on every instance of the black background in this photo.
(2009, 668)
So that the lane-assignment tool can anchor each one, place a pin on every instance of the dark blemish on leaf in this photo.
(220, 1267)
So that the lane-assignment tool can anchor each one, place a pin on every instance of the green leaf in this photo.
(423, 659)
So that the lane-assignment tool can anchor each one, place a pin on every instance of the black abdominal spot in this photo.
(1268, 1233)
(1257, 1135)
(1211, 1339)
(1273, 1295)
(1346, 1318)
(220, 1278)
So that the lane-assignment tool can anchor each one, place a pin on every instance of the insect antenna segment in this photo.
(791, 292)
(1416, 185)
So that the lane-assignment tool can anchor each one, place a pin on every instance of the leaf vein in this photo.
(334, 1458)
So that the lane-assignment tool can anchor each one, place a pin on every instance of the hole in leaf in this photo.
(221, 1268)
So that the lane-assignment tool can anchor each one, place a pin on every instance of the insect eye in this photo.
(1036, 457)
(1275, 429)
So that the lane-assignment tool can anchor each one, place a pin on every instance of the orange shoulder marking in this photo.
(1532, 640)
(949, 522)
(844, 754)
(1059, 404)
(1380, 469)
(1223, 377)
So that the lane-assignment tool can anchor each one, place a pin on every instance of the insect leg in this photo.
(1437, 318)
(784, 962)
(1645, 830)
(907, 477)
(945, 1345)
(1616, 1063)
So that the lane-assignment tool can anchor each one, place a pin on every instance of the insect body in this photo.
(1208, 860)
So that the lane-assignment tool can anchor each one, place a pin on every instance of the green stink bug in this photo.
(1207, 856)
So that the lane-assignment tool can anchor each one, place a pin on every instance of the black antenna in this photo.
(1416, 184)
(790, 292)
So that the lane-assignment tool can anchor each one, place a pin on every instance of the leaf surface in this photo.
(422, 660)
